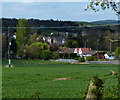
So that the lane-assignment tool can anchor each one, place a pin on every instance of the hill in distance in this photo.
(107, 22)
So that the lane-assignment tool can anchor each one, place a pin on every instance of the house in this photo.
(97, 54)
(66, 50)
(88, 53)
(109, 56)
(55, 39)
(67, 53)
(73, 34)
(79, 51)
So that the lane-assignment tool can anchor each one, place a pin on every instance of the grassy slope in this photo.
(22, 81)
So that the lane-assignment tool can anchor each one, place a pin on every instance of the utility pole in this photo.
(110, 46)
(87, 44)
(10, 38)
(9, 44)
(97, 47)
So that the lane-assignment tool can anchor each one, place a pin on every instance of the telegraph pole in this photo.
(9, 44)
(110, 46)
(97, 47)
(10, 38)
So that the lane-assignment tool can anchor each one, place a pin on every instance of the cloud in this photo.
(28, 0)
(45, 1)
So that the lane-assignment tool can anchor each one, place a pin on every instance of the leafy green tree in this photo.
(21, 52)
(42, 46)
(81, 59)
(22, 32)
(75, 44)
(34, 51)
(104, 4)
(4, 45)
(72, 44)
(55, 55)
(69, 43)
(46, 54)
(117, 52)
(32, 39)
(91, 58)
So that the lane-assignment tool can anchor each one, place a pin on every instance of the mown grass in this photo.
(24, 80)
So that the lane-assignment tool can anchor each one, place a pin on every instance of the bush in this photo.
(55, 55)
(91, 58)
(81, 59)
(46, 55)
(76, 58)
(67, 55)
(117, 52)
(33, 52)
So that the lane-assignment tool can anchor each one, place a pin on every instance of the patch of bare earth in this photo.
(8, 66)
(56, 79)
(83, 63)
(41, 63)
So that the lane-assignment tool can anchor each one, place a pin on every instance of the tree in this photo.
(55, 55)
(72, 44)
(4, 45)
(32, 39)
(42, 46)
(46, 54)
(117, 52)
(104, 4)
(22, 32)
(75, 44)
(69, 43)
(36, 50)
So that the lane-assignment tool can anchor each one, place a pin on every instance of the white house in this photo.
(109, 56)
(55, 39)
(79, 51)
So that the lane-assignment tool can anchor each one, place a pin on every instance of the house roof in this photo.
(66, 50)
(58, 39)
(89, 53)
(86, 49)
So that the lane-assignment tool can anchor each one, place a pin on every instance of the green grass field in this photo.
(24, 80)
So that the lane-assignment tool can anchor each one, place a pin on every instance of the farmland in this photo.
(23, 80)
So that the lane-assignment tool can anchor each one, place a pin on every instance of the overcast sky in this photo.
(72, 11)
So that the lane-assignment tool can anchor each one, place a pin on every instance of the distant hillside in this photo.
(107, 22)
(13, 22)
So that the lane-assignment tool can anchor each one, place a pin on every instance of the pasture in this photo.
(26, 80)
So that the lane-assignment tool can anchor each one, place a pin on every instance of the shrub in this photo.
(34, 51)
(46, 55)
(117, 52)
(81, 59)
(67, 55)
(98, 91)
(76, 58)
(91, 58)
(55, 55)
